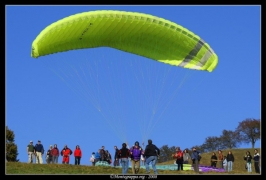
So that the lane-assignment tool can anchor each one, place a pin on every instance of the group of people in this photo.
(150, 155)
(183, 157)
(36, 152)
(101, 155)
(136, 154)
(226, 162)
(248, 157)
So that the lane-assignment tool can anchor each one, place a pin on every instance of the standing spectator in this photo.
(92, 159)
(66, 152)
(108, 157)
(179, 158)
(230, 161)
(39, 152)
(77, 155)
(195, 156)
(49, 156)
(224, 163)
(30, 152)
(151, 154)
(186, 156)
(116, 157)
(55, 154)
(256, 161)
(124, 154)
(136, 152)
(103, 154)
(97, 156)
(248, 159)
(220, 158)
(213, 159)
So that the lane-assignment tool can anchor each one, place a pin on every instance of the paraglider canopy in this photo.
(133, 32)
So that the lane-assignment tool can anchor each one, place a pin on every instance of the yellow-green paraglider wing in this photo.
(132, 32)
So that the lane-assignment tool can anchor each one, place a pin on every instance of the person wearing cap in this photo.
(30, 152)
(195, 157)
(136, 151)
(39, 152)
(49, 156)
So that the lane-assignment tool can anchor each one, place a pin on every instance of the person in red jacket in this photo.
(179, 158)
(66, 152)
(77, 155)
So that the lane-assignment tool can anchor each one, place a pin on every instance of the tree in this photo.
(211, 144)
(230, 139)
(11, 147)
(249, 131)
(166, 153)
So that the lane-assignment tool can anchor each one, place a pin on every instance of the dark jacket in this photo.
(49, 153)
(116, 154)
(256, 157)
(215, 158)
(195, 155)
(39, 148)
(230, 157)
(151, 150)
(248, 158)
(124, 153)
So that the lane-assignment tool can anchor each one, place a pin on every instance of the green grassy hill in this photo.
(24, 168)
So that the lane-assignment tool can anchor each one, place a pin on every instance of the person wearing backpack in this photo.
(179, 158)
(151, 154)
(136, 152)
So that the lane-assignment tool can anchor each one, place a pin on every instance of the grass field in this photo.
(24, 168)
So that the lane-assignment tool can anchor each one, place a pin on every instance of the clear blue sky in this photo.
(122, 95)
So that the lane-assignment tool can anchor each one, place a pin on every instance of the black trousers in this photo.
(180, 166)
(77, 160)
(213, 164)
(257, 168)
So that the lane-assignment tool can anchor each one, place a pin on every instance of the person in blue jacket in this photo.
(195, 157)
